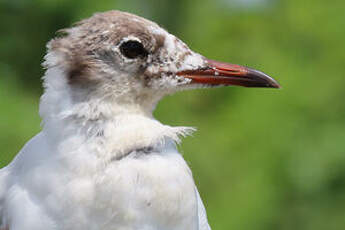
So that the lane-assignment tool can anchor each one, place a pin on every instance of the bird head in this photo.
(120, 57)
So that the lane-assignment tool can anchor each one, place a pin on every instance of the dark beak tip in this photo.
(276, 86)
(268, 82)
(273, 84)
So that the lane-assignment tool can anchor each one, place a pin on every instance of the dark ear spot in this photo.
(77, 71)
(80, 70)
(76, 63)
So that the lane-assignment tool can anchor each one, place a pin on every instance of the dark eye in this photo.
(133, 49)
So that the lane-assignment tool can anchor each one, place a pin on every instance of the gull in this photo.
(102, 161)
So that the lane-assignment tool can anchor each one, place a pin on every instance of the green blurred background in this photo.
(262, 158)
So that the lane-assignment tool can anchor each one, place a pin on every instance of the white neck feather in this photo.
(107, 128)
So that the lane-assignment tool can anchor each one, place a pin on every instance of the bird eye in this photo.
(133, 49)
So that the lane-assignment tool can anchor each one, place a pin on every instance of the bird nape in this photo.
(101, 160)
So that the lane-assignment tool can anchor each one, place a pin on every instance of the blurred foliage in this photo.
(262, 159)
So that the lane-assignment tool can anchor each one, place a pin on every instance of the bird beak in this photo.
(220, 73)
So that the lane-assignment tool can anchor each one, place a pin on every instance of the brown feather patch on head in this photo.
(83, 46)
(76, 65)
(78, 71)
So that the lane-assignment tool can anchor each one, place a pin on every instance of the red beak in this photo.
(220, 73)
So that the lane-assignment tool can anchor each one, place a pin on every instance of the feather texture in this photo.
(102, 162)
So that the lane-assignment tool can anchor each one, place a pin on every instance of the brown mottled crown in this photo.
(90, 40)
